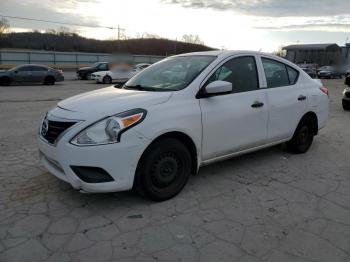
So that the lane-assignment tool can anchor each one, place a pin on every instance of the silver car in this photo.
(31, 73)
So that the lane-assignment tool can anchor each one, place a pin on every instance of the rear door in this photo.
(286, 97)
(238, 120)
(38, 73)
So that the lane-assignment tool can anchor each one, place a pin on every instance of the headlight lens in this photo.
(109, 130)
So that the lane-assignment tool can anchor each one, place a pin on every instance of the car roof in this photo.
(34, 65)
(222, 54)
(226, 53)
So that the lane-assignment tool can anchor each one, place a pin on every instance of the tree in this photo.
(279, 52)
(192, 39)
(147, 35)
(50, 31)
(4, 27)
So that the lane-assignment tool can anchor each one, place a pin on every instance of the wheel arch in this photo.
(50, 77)
(182, 137)
(312, 115)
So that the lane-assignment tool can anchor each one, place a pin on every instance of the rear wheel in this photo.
(49, 80)
(107, 80)
(163, 170)
(303, 137)
(88, 76)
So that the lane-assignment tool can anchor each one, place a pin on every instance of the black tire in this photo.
(346, 105)
(107, 80)
(303, 137)
(163, 170)
(5, 81)
(49, 80)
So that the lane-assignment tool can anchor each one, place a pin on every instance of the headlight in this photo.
(109, 130)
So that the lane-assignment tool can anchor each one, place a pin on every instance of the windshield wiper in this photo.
(141, 88)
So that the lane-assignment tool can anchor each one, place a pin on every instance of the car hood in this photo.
(111, 100)
(85, 68)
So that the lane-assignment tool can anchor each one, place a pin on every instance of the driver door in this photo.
(23, 74)
(236, 121)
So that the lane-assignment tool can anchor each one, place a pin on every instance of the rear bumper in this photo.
(59, 78)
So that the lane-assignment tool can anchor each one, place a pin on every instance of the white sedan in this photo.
(118, 74)
(179, 114)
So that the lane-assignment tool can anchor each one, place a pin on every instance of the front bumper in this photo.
(98, 79)
(119, 160)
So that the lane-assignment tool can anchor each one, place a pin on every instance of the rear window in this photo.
(293, 75)
(279, 74)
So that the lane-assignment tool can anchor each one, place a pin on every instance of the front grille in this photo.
(50, 130)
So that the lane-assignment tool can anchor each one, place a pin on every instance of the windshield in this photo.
(171, 74)
(95, 64)
(326, 68)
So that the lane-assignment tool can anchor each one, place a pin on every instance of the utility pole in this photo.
(120, 30)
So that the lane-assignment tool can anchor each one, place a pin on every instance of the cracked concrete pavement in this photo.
(266, 206)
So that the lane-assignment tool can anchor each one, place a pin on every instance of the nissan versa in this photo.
(178, 115)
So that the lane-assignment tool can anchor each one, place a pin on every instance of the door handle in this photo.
(257, 104)
(301, 98)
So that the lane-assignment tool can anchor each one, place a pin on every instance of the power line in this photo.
(55, 22)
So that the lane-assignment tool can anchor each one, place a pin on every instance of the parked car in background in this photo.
(119, 74)
(311, 72)
(329, 72)
(85, 72)
(310, 69)
(156, 130)
(347, 71)
(31, 73)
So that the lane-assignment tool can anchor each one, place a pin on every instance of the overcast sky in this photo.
(233, 24)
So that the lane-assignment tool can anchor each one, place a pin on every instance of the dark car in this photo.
(346, 98)
(85, 72)
(328, 72)
(31, 73)
(311, 72)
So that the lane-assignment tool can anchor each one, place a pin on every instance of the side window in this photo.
(38, 68)
(278, 74)
(241, 72)
(24, 69)
(293, 75)
(103, 67)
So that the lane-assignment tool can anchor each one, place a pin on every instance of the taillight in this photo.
(325, 90)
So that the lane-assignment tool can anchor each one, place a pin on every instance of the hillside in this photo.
(74, 42)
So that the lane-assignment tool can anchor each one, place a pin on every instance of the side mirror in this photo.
(15, 71)
(217, 88)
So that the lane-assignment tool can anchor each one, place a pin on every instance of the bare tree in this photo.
(147, 35)
(50, 31)
(279, 52)
(4, 27)
(192, 39)
(65, 31)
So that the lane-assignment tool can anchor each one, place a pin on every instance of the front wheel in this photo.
(5, 81)
(163, 170)
(107, 80)
(303, 137)
(49, 80)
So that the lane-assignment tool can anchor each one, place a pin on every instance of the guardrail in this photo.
(67, 60)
